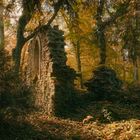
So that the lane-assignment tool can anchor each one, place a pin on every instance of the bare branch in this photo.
(123, 9)
(57, 7)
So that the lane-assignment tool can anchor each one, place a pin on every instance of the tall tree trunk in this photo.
(17, 54)
(1, 25)
(135, 74)
(101, 25)
(79, 63)
(100, 32)
(28, 11)
(23, 21)
(138, 32)
(137, 40)
(76, 42)
(101, 45)
(124, 71)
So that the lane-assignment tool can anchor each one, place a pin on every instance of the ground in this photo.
(37, 126)
(72, 130)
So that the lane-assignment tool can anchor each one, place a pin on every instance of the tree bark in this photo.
(17, 54)
(137, 32)
(100, 32)
(101, 45)
(136, 71)
(136, 41)
(1, 25)
(23, 21)
(79, 63)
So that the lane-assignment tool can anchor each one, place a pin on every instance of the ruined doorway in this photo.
(36, 58)
(54, 85)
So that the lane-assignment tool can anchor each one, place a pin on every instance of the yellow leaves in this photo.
(121, 131)
(34, 22)
(68, 129)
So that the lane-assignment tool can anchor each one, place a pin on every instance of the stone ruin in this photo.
(48, 73)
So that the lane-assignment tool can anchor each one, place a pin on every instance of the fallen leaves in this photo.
(68, 129)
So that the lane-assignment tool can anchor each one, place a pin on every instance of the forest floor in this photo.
(37, 126)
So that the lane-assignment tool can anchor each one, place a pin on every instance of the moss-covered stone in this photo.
(54, 80)
(104, 82)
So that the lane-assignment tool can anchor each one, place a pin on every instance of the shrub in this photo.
(13, 91)
(104, 82)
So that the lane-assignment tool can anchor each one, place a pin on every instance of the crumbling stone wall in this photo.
(48, 73)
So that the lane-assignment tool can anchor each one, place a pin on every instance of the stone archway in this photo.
(36, 57)
(54, 83)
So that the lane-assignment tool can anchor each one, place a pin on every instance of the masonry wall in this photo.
(48, 74)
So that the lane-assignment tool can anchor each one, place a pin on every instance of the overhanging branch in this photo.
(39, 28)
(123, 9)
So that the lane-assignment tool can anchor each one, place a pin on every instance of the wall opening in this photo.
(36, 59)
(48, 73)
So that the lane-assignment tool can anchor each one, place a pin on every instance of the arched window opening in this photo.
(36, 59)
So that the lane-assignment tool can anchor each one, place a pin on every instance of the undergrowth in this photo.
(108, 113)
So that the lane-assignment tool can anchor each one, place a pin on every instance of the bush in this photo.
(13, 91)
(104, 82)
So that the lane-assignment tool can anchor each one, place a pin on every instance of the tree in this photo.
(1, 25)
(137, 34)
(132, 39)
(74, 29)
(29, 9)
(103, 24)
